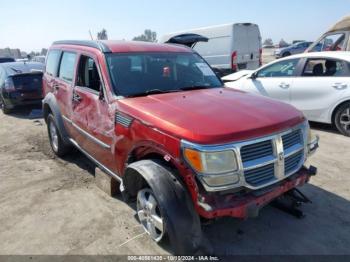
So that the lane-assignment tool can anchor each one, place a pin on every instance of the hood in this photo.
(212, 116)
(237, 75)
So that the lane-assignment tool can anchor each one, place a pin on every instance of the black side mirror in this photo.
(253, 76)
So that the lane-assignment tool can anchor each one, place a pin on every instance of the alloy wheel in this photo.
(53, 136)
(345, 119)
(149, 214)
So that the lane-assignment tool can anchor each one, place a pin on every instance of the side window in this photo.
(67, 66)
(88, 75)
(280, 69)
(52, 62)
(325, 67)
(332, 42)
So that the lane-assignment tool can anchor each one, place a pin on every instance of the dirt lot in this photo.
(51, 206)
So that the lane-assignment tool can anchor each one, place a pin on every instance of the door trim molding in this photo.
(86, 134)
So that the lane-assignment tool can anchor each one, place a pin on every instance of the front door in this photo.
(92, 116)
(274, 81)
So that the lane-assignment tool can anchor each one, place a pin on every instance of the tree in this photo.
(43, 51)
(283, 43)
(147, 36)
(102, 35)
(268, 41)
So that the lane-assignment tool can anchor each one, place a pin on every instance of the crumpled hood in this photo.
(212, 116)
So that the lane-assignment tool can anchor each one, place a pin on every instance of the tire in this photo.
(285, 54)
(172, 204)
(55, 138)
(342, 119)
(4, 108)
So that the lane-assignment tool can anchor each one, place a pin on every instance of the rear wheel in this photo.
(342, 119)
(56, 142)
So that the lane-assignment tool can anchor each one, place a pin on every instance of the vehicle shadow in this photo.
(324, 230)
(27, 113)
(324, 127)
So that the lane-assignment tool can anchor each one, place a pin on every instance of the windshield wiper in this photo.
(185, 88)
(153, 92)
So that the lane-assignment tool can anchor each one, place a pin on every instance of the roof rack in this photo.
(89, 43)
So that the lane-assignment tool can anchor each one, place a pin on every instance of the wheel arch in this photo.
(335, 108)
(50, 105)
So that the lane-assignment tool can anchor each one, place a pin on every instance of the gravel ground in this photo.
(52, 206)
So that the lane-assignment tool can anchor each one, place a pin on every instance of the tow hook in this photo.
(312, 171)
(290, 203)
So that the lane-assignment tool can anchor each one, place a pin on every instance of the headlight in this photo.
(211, 162)
(215, 169)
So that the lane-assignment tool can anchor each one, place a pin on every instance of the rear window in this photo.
(27, 82)
(52, 62)
(67, 66)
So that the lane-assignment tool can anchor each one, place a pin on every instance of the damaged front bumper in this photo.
(248, 204)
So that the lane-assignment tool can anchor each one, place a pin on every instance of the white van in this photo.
(229, 48)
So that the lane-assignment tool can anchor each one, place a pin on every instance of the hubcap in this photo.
(149, 214)
(53, 136)
(345, 119)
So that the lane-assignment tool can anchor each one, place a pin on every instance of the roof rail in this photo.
(89, 43)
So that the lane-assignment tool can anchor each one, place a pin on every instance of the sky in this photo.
(34, 24)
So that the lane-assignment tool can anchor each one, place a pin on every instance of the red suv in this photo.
(157, 119)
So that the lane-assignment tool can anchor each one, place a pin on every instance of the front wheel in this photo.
(150, 215)
(4, 108)
(342, 119)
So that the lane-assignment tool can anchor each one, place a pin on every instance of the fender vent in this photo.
(123, 120)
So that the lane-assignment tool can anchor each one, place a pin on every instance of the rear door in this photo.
(247, 44)
(319, 87)
(274, 81)
(63, 85)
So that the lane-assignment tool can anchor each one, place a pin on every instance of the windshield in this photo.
(137, 74)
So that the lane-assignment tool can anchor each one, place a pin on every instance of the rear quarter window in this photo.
(52, 61)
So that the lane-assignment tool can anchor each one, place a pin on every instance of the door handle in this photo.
(76, 97)
(340, 86)
(56, 86)
(283, 85)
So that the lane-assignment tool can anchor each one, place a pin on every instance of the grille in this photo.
(292, 162)
(261, 160)
(256, 151)
(261, 175)
(292, 139)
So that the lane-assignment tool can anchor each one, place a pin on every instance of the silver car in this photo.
(294, 49)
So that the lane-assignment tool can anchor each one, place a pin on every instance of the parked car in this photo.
(6, 59)
(337, 38)
(296, 48)
(157, 119)
(316, 83)
(39, 59)
(20, 85)
(229, 48)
